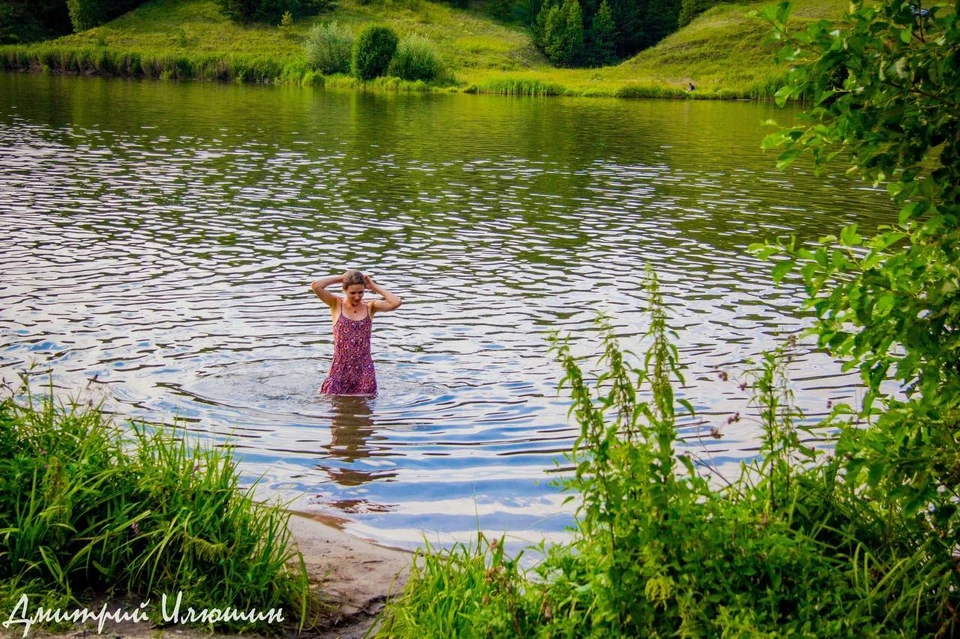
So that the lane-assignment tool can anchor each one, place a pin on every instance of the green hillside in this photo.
(721, 52)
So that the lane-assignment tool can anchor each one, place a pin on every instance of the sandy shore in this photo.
(356, 577)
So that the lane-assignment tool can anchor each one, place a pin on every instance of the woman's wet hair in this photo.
(352, 277)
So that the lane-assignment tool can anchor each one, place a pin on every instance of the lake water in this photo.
(158, 241)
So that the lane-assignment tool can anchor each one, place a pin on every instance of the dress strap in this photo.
(369, 315)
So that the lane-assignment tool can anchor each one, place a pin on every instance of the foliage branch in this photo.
(884, 89)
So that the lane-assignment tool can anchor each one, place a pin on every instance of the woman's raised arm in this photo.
(320, 288)
(389, 301)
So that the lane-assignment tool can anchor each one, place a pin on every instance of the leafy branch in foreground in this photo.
(885, 85)
(885, 90)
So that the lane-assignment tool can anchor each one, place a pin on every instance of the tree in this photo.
(603, 37)
(884, 89)
(628, 18)
(550, 24)
(501, 9)
(29, 20)
(572, 41)
(560, 33)
(270, 11)
(86, 14)
(535, 7)
(372, 52)
(660, 19)
(631, 25)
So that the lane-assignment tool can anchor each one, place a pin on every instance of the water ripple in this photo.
(159, 241)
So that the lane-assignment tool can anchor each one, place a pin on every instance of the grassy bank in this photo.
(722, 52)
(88, 509)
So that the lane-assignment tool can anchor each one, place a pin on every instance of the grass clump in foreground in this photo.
(88, 509)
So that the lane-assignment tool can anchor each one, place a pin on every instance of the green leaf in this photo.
(875, 473)
(763, 251)
(783, 94)
(781, 270)
(772, 141)
(885, 304)
(912, 210)
(826, 95)
(783, 12)
(786, 158)
(850, 237)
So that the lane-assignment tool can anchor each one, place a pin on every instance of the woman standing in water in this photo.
(351, 372)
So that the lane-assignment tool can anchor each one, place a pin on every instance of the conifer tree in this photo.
(660, 19)
(30, 20)
(548, 27)
(603, 37)
(572, 47)
(628, 18)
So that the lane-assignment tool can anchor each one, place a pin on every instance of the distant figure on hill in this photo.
(352, 372)
(691, 88)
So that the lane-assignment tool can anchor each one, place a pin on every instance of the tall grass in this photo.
(89, 60)
(87, 506)
(416, 59)
(519, 87)
(467, 588)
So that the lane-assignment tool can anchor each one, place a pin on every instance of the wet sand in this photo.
(356, 575)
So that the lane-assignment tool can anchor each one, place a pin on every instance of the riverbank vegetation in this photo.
(856, 538)
(721, 52)
(89, 509)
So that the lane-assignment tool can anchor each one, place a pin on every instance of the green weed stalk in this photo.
(789, 548)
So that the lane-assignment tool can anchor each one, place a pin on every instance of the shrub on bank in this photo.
(372, 52)
(416, 59)
(84, 505)
(329, 48)
(523, 87)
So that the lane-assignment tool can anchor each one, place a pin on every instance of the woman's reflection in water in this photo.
(351, 426)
